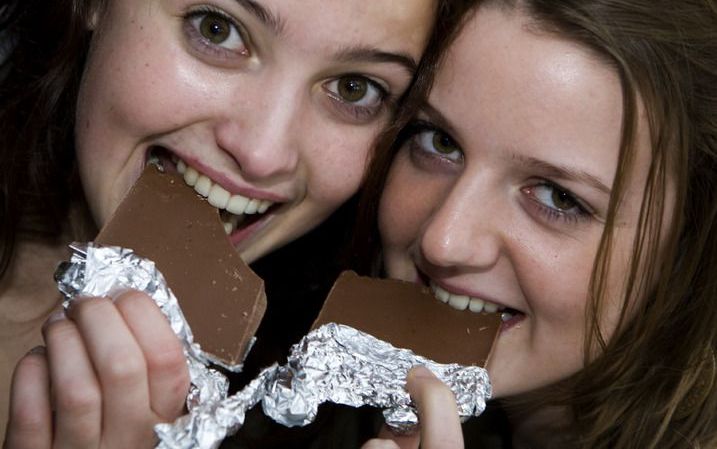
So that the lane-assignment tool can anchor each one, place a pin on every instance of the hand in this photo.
(440, 426)
(110, 372)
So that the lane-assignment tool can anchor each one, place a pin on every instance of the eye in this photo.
(356, 89)
(438, 144)
(216, 32)
(557, 203)
(356, 97)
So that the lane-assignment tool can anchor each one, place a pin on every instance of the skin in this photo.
(484, 213)
(259, 112)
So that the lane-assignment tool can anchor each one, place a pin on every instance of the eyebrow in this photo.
(264, 15)
(370, 54)
(352, 54)
(563, 172)
(552, 170)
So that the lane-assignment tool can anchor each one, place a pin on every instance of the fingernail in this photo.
(57, 315)
(37, 350)
(421, 371)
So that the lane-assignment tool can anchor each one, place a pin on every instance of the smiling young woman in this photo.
(269, 108)
(563, 174)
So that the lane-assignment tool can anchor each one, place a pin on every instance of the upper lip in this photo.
(227, 182)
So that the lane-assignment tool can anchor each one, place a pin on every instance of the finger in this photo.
(408, 441)
(30, 420)
(378, 443)
(121, 371)
(75, 389)
(168, 375)
(437, 411)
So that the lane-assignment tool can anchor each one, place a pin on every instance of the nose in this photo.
(263, 136)
(465, 231)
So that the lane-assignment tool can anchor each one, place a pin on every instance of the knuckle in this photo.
(123, 368)
(80, 400)
(26, 421)
(170, 359)
(132, 300)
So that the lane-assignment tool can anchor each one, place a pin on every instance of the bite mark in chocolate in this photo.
(408, 316)
(165, 221)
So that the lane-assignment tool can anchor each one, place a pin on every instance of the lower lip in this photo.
(242, 234)
(516, 320)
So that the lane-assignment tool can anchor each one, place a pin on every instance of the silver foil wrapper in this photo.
(108, 271)
(333, 363)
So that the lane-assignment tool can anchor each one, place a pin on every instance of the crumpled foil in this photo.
(96, 270)
(334, 363)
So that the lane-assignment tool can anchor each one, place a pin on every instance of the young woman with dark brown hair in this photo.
(563, 173)
(274, 104)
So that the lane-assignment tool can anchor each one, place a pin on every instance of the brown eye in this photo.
(352, 89)
(562, 200)
(215, 28)
(443, 143)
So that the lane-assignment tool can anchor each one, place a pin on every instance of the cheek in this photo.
(406, 204)
(335, 163)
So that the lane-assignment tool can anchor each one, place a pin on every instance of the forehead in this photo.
(387, 24)
(527, 90)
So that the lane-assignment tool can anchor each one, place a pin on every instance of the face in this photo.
(499, 197)
(267, 107)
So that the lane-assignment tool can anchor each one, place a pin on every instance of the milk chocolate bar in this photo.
(408, 316)
(164, 220)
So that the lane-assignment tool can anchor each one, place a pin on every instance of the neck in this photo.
(539, 428)
(27, 290)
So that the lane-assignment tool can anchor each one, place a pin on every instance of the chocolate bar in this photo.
(164, 220)
(408, 316)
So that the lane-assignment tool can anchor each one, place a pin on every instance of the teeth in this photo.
(463, 302)
(191, 176)
(220, 198)
(203, 185)
(252, 207)
(459, 302)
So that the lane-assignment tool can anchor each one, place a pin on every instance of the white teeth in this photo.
(237, 204)
(203, 185)
(489, 307)
(219, 197)
(476, 305)
(228, 228)
(463, 302)
(459, 302)
(265, 205)
(441, 294)
(252, 207)
(191, 176)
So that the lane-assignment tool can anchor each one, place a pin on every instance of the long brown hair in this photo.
(647, 389)
(652, 384)
(38, 91)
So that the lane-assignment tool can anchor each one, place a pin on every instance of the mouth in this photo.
(472, 304)
(239, 213)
